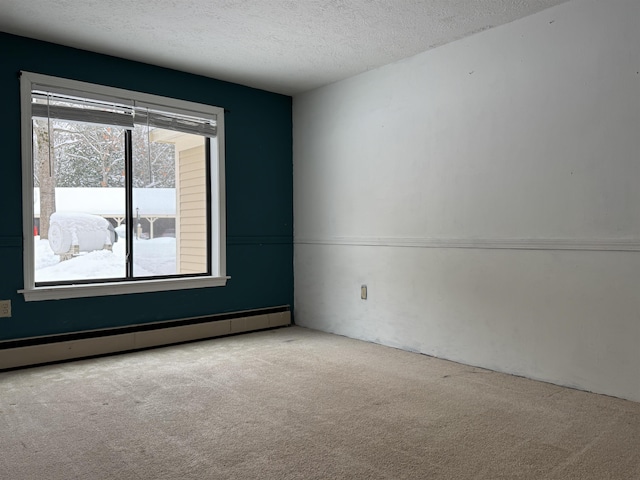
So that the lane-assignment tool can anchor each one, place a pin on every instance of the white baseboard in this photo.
(22, 356)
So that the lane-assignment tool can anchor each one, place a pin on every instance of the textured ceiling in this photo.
(285, 46)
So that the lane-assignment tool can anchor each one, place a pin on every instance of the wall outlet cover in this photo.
(5, 308)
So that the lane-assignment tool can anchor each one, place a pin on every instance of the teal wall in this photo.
(258, 183)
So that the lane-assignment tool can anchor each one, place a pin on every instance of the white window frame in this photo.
(32, 292)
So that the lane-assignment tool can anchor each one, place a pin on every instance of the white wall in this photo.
(521, 144)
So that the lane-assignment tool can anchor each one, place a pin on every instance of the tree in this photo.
(153, 163)
(93, 156)
(90, 156)
(45, 178)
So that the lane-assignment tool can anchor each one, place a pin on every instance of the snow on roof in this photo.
(110, 202)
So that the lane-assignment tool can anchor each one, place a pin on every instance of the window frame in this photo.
(217, 218)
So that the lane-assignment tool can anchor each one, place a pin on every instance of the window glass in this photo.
(170, 172)
(79, 199)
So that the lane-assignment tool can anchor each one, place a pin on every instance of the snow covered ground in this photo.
(151, 258)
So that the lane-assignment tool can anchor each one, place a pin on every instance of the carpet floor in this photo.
(295, 403)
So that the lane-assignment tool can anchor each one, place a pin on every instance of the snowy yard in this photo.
(151, 258)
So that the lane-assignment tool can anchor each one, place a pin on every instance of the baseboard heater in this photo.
(56, 348)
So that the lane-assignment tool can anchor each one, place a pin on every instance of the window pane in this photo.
(169, 202)
(79, 201)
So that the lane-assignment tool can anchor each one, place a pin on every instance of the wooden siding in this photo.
(191, 223)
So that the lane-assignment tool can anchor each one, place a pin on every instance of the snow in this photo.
(110, 202)
(86, 221)
(151, 258)
(88, 232)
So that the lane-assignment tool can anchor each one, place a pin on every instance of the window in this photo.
(123, 192)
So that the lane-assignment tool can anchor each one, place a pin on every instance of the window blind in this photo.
(99, 109)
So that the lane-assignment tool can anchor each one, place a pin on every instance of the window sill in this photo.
(121, 288)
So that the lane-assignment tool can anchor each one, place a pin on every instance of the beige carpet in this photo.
(299, 404)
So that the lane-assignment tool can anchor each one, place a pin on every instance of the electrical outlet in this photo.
(363, 292)
(5, 308)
